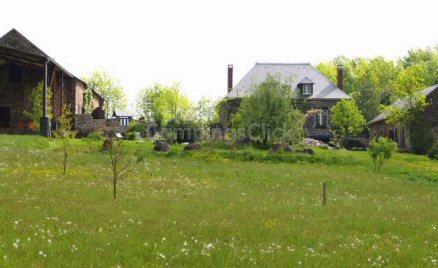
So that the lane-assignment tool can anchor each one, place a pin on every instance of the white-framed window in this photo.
(307, 89)
(321, 119)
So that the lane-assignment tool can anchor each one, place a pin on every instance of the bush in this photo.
(381, 150)
(136, 126)
(433, 152)
(96, 136)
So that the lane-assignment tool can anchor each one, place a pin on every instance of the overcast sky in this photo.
(143, 42)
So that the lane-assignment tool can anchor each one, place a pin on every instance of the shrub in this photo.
(433, 152)
(96, 136)
(381, 150)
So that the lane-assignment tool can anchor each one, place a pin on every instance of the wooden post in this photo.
(324, 193)
(62, 91)
(45, 114)
(45, 120)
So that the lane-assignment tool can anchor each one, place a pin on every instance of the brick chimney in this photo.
(230, 78)
(340, 77)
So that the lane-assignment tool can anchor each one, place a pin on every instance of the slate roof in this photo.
(290, 73)
(400, 103)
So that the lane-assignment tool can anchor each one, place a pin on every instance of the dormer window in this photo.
(307, 89)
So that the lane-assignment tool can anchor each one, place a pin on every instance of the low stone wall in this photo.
(85, 125)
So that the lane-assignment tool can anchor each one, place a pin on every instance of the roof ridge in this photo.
(282, 63)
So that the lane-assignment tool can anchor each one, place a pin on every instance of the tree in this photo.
(367, 98)
(110, 89)
(269, 113)
(429, 58)
(65, 133)
(205, 112)
(381, 150)
(88, 101)
(36, 99)
(347, 120)
(407, 112)
(121, 164)
(163, 104)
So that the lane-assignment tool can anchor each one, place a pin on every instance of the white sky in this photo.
(189, 41)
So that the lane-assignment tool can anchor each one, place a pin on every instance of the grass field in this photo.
(215, 207)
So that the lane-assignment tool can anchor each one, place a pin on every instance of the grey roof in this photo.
(306, 81)
(290, 73)
(400, 103)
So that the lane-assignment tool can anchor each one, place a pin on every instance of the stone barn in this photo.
(23, 66)
(417, 138)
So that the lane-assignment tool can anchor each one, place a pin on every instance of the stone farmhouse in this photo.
(22, 67)
(427, 125)
(318, 92)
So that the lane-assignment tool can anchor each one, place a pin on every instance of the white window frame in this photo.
(307, 89)
(320, 115)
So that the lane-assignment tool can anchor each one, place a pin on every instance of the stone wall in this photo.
(85, 125)
(431, 113)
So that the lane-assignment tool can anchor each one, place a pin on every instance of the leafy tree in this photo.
(406, 110)
(381, 150)
(367, 98)
(270, 113)
(110, 89)
(65, 133)
(347, 120)
(36, 99)
(427, 57)
(205, 112)
(163, 104)
(88, 101)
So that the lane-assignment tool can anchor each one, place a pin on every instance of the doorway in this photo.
(5, 116)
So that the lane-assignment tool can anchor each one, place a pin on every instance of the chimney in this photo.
(340, 77)
(230, 78)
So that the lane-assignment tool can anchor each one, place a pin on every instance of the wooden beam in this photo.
(45, 111)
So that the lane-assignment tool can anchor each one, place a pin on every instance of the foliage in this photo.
(433, 151)
(110, 89)
(406, 110)
(269, 113)
(378, 81)
(36, 100)
(346, 119)
(205, 112)
(88, 101)
(381, 150)
(65, 133)
(95, 136)
(161, 104)
(138, 126)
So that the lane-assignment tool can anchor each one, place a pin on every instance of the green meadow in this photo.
(214, 207)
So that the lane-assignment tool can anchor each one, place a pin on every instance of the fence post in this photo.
(324, 193)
